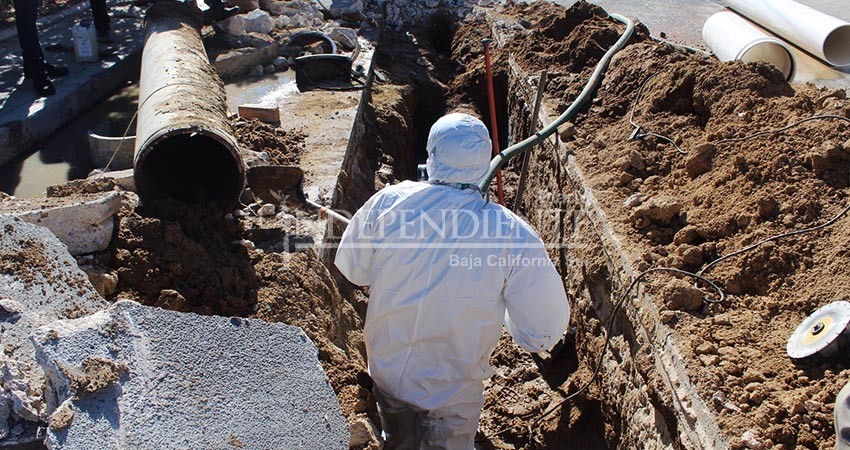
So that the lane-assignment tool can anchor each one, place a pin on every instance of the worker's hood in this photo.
(458, 149)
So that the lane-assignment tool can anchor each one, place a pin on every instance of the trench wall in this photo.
(647, 399)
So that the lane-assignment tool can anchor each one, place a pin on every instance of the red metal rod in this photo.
(494, 131)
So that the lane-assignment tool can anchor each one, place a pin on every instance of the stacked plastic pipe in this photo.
(764, 30)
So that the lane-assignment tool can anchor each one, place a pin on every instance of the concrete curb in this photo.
(22, 129)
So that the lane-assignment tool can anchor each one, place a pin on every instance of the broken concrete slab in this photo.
(125, 179)
(40, 283)
(233, 25)
(240, 61)
(258, 21)
(288, 7)
(134, 376)
(349, 9)
(83, 222)
(345, 37)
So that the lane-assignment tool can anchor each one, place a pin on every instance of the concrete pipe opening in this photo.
(185, 148)
(836, 46)
(169, 168)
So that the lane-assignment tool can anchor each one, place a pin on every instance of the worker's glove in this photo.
(561, 359)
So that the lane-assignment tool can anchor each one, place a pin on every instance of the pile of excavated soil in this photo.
(183, 258)
(565, 44)
(283, 147)
(687, 210)
(684, 211)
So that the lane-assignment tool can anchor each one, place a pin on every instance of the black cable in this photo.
(773, 238)
(638, 132)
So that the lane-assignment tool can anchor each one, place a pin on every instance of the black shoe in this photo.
(104, 37)
(55, 71)
(43, 86)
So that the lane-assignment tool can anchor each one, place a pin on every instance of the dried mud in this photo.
(283, 147)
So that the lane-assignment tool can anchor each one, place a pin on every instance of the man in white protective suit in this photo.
(447, 268)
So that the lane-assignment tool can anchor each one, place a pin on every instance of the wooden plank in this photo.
(263, 113)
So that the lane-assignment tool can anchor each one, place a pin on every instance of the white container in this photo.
(733, 38)
(827, 37)
(85, 42)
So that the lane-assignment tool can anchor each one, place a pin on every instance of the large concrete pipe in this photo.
(185, 149)
(820, 34)
(733, 38)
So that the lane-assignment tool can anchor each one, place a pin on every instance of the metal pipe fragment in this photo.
(185, 148)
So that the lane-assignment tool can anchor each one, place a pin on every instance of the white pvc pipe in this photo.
(733, 38)
(827, 37)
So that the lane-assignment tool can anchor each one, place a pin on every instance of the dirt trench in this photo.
(678, 373)
(421, 76)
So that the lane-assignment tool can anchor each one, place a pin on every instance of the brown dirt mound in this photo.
(731, 195)
(185, 259)
(689, 210)
(566, 42)
(283, 147)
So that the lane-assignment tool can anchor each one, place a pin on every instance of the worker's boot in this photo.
(218, 11)
(41, 73)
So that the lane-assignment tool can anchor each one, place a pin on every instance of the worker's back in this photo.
(444, 264)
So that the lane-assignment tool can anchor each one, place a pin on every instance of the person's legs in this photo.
(452, 428)
(26, 12)
(402, 423)
(101, 15)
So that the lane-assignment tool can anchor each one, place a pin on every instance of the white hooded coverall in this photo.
(447, 269)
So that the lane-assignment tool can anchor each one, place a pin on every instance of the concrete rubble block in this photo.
(134, 376)
(40, 283)
(125, 179)
(343, 8)
(288, 7)
(345, 37)
(83, 222)
(241, 61)
(282, 22)
(259, 21)
(233, 25)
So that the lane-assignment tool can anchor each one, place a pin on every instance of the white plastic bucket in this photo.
(733, 38)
